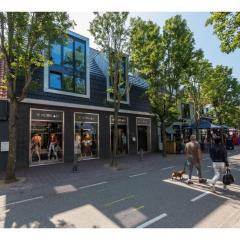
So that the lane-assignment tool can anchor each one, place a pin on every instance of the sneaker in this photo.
(202, 180)
(189, 181)
(213, 188)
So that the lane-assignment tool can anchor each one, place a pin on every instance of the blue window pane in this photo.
(68, 54)
(80, 54)
(56, 53)
(68, 83)
(55, 81)
(80, 85)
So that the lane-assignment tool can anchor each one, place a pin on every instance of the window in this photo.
(69, 72)
(185, 110)
(46, 136)
(124, 84)
(68, 54)
(56, 53)
(55, 81)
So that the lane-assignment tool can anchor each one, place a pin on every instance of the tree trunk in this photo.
(12, 154)
(114, 162)
(164, 140)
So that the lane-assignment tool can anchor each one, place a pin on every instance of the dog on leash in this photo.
(178, 174)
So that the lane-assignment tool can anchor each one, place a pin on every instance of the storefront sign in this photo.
(121, 120)
(4, 146)
(81, 117)
(143, 121)
(47, 115)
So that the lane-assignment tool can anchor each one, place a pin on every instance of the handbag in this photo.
(228, 177)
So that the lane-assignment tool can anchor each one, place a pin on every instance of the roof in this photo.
(99, 66)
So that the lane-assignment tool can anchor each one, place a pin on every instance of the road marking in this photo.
(146, 224)
(22, 201)
(92, 185)
(136, 175)
(168, 168)
(119, 200)
(200, 196)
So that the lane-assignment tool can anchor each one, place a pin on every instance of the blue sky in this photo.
(204, 37)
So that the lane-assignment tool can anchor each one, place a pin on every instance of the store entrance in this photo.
(142, 138)
(122, 139)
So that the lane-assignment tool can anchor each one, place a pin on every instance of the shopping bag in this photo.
(228, 177)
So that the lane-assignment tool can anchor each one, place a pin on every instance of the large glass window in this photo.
(143, 134)
(86, 136)
(56, 53)
(55, 81)
(46, 137)
(68, 54)
(69, 75)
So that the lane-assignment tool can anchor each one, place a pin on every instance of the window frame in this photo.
(127, 101)
(46, 88)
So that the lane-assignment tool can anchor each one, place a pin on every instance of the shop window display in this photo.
(86, 136)
(46, 143)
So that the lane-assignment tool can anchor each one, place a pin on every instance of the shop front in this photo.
(86, 134)
(143, 134)
(46, 137)
(123, 138)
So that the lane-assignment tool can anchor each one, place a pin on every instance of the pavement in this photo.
(141, 194)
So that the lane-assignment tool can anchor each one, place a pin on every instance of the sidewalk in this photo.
(89, 170)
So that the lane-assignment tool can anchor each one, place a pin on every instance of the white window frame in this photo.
(46, 162)
(98, 139)
(46, 87)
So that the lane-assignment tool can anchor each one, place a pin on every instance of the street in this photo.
(143, 196)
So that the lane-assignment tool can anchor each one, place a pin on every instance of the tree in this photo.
(226, 26)
(196, 76)
(162, 59)
(223, 92)
(24, 37)
(111, 35)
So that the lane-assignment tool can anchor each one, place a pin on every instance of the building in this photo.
(70, 113)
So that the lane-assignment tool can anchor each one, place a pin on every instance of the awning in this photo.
(204, 124)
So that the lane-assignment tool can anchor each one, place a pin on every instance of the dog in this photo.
(178, 174)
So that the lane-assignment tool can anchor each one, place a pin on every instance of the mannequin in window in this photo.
(87, 141)
(36, 145)
(52, 145)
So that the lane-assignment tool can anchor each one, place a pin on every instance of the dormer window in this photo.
(69, 72)
(123, 86)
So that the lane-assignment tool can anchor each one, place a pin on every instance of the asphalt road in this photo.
(140, 198)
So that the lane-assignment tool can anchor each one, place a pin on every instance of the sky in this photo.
(204, 37)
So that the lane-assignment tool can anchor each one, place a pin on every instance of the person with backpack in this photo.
(218, 154)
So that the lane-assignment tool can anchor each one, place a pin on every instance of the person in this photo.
(52, 144)
(194, 158)
(124, 143)
(77, 151)
(36, 145)
(87, 141)
(218, 154)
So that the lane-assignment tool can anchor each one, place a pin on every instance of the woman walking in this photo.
(218, 155)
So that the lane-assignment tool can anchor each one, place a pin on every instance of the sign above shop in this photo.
(144, 121)
(121, 120)
(46, 115)
(87, 118)
(4, 146)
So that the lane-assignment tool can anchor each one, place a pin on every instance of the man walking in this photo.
(194, 158)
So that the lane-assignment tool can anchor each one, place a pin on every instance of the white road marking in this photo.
(136, 175)
(92, 185)
(146, 224)
(22, 201)
(200, 196)
(168, 168)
